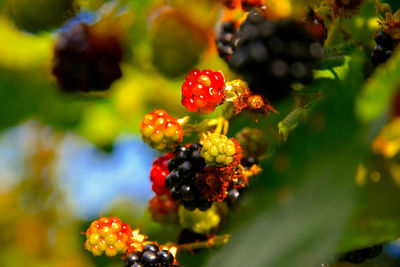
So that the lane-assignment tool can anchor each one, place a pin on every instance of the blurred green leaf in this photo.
(379, 90)
(366, 233)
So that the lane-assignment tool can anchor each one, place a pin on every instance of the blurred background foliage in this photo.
(66, 158)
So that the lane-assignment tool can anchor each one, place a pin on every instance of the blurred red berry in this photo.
(158, 173)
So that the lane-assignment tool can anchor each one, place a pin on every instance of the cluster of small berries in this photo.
(218, 150)
(272, 55)
(185, 168)
(150, 256)
(160, 130)
(108, 236)
(383, 50)
(85, 61)
(203, 91)
(360, 255)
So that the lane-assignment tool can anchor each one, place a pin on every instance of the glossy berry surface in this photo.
(86, 62)
(108, 236)
(383, 49)
(218, 150)
(158, 173)
(150, 256)
(272, 55)
(185, 168)
(202, 91)
(160, 130)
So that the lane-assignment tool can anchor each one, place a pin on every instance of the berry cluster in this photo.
(151, 256)
(203, 91)
(84, 61)
(160, 130)
(383, 50)
(159, 172)
(360, 255)
(185, 170)
(218, 150)
(272, 55)
(109, 236)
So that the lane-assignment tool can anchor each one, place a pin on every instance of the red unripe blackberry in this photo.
(163, 209)
(158, 173)
(203, 91)
(85, 61)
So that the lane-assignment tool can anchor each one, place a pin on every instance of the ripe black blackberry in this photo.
(151, 256)
(360, 255)
(185, 168)
(383, 49)
(272, 55)
(84, 61)
(224, 39)
(248, 162)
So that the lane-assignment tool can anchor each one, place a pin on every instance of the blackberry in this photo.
(272, 55)
(185, 168)
(233, 196)
(84, 61)
(248, 162)
(360, 255)
(383, 49)
(151, 256)
(224, 39)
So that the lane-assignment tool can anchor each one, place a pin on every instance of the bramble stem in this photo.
(218, 240)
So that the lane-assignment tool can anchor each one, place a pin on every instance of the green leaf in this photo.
(366, 233)
(293, 119)
(378, 91)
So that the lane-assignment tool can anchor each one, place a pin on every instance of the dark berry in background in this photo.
(360, 255)
(383, 49)
(185, 168)
(224, 39)
(272, 55)
(86, 62)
